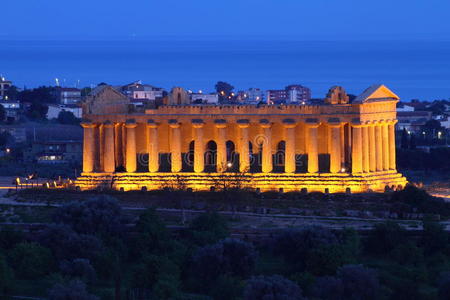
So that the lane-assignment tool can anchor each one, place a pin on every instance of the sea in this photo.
(413, 69)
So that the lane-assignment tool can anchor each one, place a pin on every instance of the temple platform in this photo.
(320, 182)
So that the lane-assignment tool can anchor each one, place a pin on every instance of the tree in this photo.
(328, 288)
(5, 138)
(385, 237)
(2, 113)
(30, 260)
(102, 215)
(12, 93)
(207, 229)
(225, 90)
(358, 282)
(412, 142)
(404, 140)
(444, 286)
(65, 243)
(228, 257)
(273, 287)
(79, 268)
(67, 117)
(73, 290)
(6, 275)
(85, 91)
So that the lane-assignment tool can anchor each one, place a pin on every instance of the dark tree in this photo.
(6, 275)
(328, 288)
(385, 237)
(228, 257)
(12, 93)
(444, 286)
(404, 140)
(359, 282)
(207, 229)
(79, 268)
(67, 244)
(272, 288)
(412, 142)
(73, 290)
(85, 91)
(30, 260)
(67, 117)
(225, 90)
(2, 114)
(102, 215)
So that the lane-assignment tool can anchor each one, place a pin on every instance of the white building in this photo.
(55, 109)
(404, 107)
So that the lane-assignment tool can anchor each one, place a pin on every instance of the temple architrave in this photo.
(333, 146)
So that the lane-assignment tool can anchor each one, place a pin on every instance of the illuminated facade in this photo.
(336, 146)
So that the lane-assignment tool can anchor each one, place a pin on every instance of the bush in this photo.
(6, 275)
(444, 286)
(272, 288)
(328, 288)
(385, 237)
(73, 290)
(30, 260)
(10, 238)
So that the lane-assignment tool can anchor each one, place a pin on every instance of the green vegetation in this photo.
(91, 249)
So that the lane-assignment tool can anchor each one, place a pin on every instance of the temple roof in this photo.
(377, 92)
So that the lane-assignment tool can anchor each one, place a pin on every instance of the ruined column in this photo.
(311, 141)
(385, 132)
(356, 147)
(244, 154)
(88, 146)
(365, 149)
(131, 164)
(152, 146)
(199, 153)
(221, 164)
(379, 147)
(372, 149)
(335, 149)
(392, 150)
(109, 165)
(267, 164)
(289, 156)
(175, 147)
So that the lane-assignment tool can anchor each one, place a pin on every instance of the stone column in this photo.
(152, 146)
(392, 148)
(379, 147)
(118, 144)
(109, 165)
(365, 149)
(356, 147)
(244, 152)
(267, 164)
(289, 156)
(385, 133)
(199, 147)
(131, 163)
(221, 164)
(335, 147)
(311, 141)
(372, 149)
(88, 146)
(175, 147)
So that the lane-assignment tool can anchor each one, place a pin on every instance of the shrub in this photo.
(444, 286)
(207, 229)
(272, 288)
(358, 282)
(79, 268)
(6, 275)
(385, 237)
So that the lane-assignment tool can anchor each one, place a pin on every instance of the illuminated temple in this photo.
(332, 146)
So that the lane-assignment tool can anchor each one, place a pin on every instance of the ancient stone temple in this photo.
(336, 145)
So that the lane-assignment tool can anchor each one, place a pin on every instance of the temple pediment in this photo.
(378, 92)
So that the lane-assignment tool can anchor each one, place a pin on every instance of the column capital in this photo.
(197, 123)
(130, 123)
(220, 123)
(392, 122)
(334, 122)
(289, 123)
(152, 124)
(356, 123)
(88, 124)
(243, 123)
(312, 122)
(108, 124)
(265, 123)
(173, 123)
